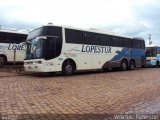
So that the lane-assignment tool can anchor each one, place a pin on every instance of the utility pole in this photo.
(149, 38)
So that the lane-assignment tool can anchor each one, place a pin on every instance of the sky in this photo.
(134, 18)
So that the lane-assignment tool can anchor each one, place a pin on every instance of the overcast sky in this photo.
(127, 17)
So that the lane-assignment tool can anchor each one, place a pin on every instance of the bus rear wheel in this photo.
(123, 65)
(68, 68)
(132, 65)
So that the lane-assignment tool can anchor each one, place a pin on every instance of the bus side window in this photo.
(127, 42)
(117, 41)
(91, 38)
(105, 40)
(142, 45)
(136, 43)
(153, 52)
(12, 37)
(158, 50)
(74, 36)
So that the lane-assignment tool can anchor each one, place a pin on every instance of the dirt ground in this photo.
(83, 96)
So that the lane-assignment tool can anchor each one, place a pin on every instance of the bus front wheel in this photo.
(68, 68)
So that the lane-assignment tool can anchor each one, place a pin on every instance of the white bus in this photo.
(153, 56)
(12, 48)
(60, 48)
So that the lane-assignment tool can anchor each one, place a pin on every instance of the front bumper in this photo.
(39, 66)
(150, 63)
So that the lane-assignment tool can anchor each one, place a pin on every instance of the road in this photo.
(90, 95)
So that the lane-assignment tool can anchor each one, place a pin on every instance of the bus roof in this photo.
(14, 31)
(154, 46)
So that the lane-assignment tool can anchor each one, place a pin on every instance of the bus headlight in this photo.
(38, 62)
(49, 63)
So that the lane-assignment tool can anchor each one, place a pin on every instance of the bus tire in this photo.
(105, 69)
(132, 65)
(67, 68)
(157, 64)
(2, 60)
(124, 65)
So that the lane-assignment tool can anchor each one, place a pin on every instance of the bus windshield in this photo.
(44, 43)
(34, 49)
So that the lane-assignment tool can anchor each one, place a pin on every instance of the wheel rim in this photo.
(124, 66)
(132, 65)
(69, 68)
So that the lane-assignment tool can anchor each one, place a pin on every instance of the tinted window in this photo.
(127, 42)
(117, 41)
(50, 48)
(105, 40)
(73, 36)
(148, 52)
(91, 38)
(158, 50)
(6, 37)
(142, 44)
(151, 52)
(52, 31)
(136, 43)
